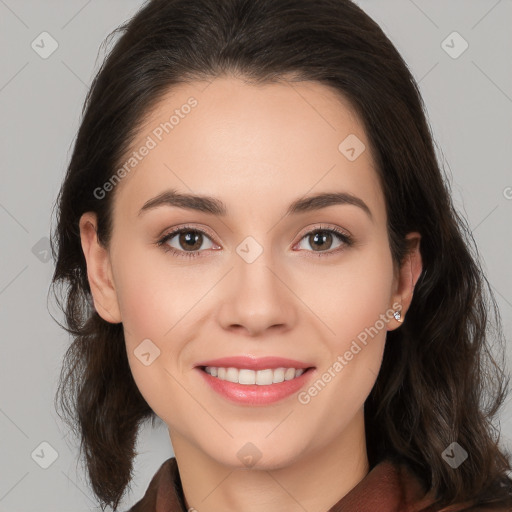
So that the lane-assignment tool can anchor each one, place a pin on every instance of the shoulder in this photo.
(164, 490)
(419, 498)
(465, 508)
(426, 501)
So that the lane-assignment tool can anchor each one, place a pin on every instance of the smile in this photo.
(255, 387)
(259, 377)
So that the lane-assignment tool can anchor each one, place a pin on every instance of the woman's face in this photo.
(262, 281)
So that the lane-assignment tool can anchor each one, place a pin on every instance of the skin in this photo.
(257, 148)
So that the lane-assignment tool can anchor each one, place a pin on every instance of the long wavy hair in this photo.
(440, 381)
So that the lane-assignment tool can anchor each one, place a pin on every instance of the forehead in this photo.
(250, 145)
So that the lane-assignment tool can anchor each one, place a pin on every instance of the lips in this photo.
(254, 395)
(253, 363)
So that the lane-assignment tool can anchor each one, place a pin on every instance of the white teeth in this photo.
(232, 375)
(260, 377)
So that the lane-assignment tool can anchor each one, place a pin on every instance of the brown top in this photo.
(386, 488)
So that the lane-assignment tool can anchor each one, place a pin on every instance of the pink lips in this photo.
(254, 394)
(253, 363)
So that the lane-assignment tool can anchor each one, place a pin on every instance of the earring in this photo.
(398, 316)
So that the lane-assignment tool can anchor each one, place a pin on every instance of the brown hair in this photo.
(439, 382)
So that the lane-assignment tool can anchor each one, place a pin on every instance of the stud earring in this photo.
(398, 316)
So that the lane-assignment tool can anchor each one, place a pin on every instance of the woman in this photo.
(259, 248)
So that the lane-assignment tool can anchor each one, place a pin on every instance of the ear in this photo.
(99, 270)
(405, 282)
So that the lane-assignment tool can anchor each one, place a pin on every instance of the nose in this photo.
(256, 298)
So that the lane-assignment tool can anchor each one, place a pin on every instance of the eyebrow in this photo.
(214, 206)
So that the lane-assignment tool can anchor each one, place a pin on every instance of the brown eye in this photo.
(321, 241)
(186, 242)
(191, 240)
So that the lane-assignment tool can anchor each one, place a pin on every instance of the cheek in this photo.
(151, 304)
(355, 306)
(350, 296)
(158, 300)
(153, 293)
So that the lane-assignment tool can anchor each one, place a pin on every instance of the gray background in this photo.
(469, 101)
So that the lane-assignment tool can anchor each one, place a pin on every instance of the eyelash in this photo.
(346, 239)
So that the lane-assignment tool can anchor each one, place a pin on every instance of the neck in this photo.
(313, 480)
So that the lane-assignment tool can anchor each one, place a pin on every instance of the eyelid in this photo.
(345, 237)
(301, 234)
(190, 227)
(322, 227)
(170, 233)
